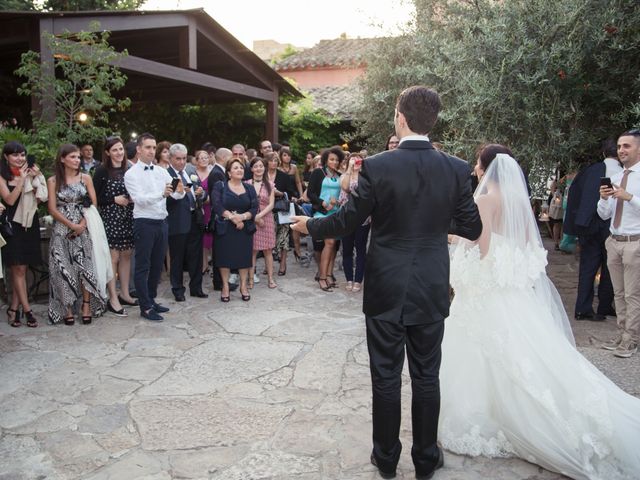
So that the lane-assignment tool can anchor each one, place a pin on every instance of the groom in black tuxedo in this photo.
(415, 195)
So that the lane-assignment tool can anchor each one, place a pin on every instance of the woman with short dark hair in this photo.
(235, 204)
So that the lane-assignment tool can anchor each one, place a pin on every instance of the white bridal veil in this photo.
(514, 221)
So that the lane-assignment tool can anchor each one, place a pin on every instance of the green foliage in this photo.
(23, 5)
(549, 79)
(35, 145)
(306, 128)
(75, 5)
(84, 83)
(71, 5)
(301, 125)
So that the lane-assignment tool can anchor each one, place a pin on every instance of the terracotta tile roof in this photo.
(342, 52)
(338, 101)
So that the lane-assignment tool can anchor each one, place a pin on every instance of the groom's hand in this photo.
(299, 224)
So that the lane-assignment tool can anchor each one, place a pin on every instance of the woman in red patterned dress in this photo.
(265, 237)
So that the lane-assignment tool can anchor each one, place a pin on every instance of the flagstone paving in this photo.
(275, 388)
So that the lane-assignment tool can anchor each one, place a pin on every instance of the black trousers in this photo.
(185, 251)
(386, 342)
(150, 239)
(593, 256)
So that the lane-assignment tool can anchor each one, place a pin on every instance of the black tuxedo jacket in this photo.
(413, 194)
(581, 215)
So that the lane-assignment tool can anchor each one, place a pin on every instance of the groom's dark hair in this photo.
(420, 106)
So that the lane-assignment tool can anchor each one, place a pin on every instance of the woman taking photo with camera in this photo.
(21, 187)
(71, 267)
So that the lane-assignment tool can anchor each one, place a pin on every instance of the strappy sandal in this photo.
(69, 320)
(31, 320)
(272, 283)
(87, 319)
(334, 282)
(13, 317)
(327, 287)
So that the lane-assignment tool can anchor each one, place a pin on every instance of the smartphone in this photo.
(605, 182)
(174, 183)
(31, 161)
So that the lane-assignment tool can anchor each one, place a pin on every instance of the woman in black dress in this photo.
(116, 210)
(235, 205)
(23, 247)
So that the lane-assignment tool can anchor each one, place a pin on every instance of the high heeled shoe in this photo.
(13, 317)
(327, 286)
(87, 319)
(32, 322)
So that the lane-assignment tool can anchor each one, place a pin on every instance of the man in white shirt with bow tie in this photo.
(149, 188)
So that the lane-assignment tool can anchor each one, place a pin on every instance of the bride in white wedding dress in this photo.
(512, 381)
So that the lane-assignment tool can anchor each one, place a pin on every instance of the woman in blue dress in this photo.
(323, 192)
(235, 205)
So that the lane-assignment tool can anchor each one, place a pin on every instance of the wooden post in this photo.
(46, 108)
(271, 132)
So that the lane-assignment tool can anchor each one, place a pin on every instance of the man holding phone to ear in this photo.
(620, 201)
(149, 186)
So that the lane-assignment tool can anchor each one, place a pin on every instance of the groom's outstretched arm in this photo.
(466, 218)
(353, 213)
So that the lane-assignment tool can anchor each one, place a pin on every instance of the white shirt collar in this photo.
(422, 138)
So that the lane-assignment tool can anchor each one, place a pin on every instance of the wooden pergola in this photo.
(174, 56)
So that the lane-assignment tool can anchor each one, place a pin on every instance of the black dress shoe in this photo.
(594, 317)
(180, 298)
(159, 308)
(610, 313)
(440, 464)
(382, 474)
(133, 294)
(199, 294)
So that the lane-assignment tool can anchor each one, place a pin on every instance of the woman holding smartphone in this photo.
(23, 245)
(357, 239)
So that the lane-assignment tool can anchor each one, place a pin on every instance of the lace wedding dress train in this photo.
(513, 383)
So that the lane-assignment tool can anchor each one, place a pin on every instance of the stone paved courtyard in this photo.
(274, 388)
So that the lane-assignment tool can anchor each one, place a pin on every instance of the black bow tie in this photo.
(149, 167)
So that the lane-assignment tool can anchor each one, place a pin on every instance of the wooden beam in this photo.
(223, 45)
(150, 68)
(115, 23)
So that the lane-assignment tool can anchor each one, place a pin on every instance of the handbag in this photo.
(6, 229)
(556, 211)
(282, 204)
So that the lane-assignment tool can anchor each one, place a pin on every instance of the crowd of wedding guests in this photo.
(218, 213)
(148, 207)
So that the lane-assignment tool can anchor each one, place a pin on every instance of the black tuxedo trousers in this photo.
(387, 342)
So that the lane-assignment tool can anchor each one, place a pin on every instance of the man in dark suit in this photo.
(413, 195)
(582, 219)
(185, 234)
